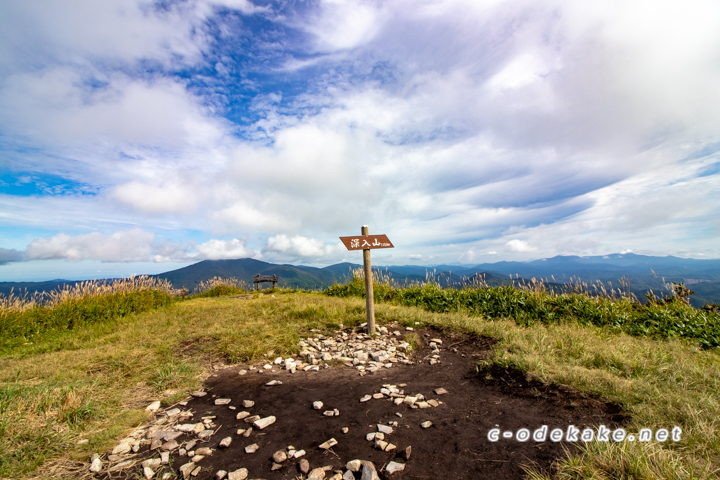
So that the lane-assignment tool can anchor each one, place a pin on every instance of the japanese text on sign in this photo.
(366, 242)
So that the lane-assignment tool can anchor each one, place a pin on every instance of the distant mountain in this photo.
(702, 276)
(246, 268)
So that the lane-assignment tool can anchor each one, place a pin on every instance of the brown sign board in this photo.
(366, 242)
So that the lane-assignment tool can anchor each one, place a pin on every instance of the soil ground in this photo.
(456, 446)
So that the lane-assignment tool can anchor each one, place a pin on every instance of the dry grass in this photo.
(91, 288)
(97, 381)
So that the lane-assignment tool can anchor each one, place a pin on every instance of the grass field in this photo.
(92, 381)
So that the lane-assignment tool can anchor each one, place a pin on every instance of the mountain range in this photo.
(644, 273)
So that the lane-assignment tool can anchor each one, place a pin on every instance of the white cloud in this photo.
(225, 249)
(127, 246)
(522, 246)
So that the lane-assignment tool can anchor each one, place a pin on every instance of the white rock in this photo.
(220, 474)
(318, 405)
(242, 415)
(222, 401)
(252, 419)
(316, 474)
(248, 403)
(273, 383)
(354, 465)
(186, 469)
(185, 427)
(278, 361)
(122, 448)
(426, 424)
(369, 472)
(96, 465)
(252, 448)
(365, 398)
(393, 467)
(348, 476)
(148, 473)
(329, 444)
(299, 453)
(164, 458)
(264, 422)
(225, 442)
(240, 474)
(154, 406)
(387, 430)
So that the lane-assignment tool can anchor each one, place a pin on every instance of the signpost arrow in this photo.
(366, 242)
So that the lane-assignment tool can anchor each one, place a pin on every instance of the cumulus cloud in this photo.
(127, 246)
(298, 247)
(8, 255)
(521, 246)
(225, 249)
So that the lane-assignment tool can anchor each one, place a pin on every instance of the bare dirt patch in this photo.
(455, 446)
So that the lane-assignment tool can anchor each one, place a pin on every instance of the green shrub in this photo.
(663, 318)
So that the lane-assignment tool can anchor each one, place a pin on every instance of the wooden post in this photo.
(369, 303)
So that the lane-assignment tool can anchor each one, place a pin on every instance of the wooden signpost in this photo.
(366, 242)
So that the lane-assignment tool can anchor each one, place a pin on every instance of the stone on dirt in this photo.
(393, 467)
(316, 474)
(407, 452)
(220, 474)
(348, 476)
(369, 472)
(365, 398)
(318, 405)
(187, 469)
(154, 406)
(299, 453)
(205, 451)
(222, 401)
(440, 391)
(384, 429)
(240, 474)
(426, 424)
(276, 466)
(280, 456)
(225, 442)
(345, 430)
(304, 466)
(354, 465)
(264, 422)
(251, 419)
(329, 444)
(252, 448)
(122, 448)
(199, 393)
(248, 403)
(148, 473)
(242, 415)
(247, 432)
(96, 465)
(169, 446)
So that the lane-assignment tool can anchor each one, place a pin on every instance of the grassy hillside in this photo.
(93, 381)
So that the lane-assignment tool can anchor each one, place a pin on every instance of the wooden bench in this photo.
(265, 278)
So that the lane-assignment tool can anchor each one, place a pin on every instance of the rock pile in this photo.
(354, 349)
(176, 432)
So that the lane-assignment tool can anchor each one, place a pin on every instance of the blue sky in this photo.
(138, 136)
